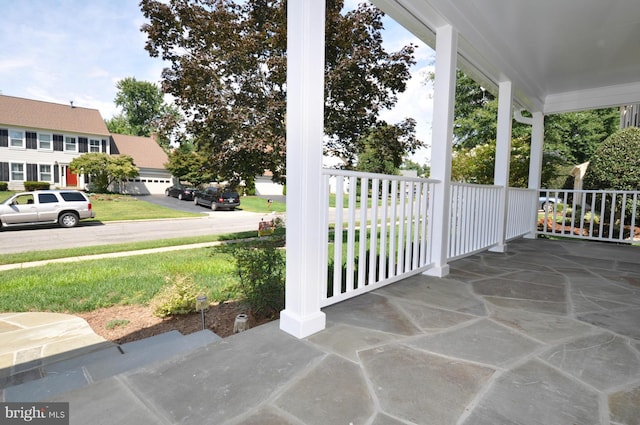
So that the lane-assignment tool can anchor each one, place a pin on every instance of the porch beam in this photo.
(535, 165)
(503, 156)
(305, 125)
(442, 141)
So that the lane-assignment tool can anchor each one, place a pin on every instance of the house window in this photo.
(44, 173)
(70, 144)
(17, 139)
(17, 171)
(44, 141)
(94, 145)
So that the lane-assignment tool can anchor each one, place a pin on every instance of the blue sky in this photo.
(76, 50)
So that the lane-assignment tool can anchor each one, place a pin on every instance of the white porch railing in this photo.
(521, 204)
(382, 224)
(474, 221)
(612, 216)
(381, 233)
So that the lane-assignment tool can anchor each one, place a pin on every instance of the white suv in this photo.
(65, 207)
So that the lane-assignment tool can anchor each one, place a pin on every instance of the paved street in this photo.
(91, 234)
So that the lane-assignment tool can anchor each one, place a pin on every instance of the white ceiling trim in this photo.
(602, 97)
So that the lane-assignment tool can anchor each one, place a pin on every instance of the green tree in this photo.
(187, 164)
(477, 164)
(104, 169)
(228, 74)
(616, 163)
(384, 147)
(577, 135)
(143, 111)
(570, 138)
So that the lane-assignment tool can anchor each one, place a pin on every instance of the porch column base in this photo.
(501, 248)
(438, 271)
(302, 327)
(530, 236)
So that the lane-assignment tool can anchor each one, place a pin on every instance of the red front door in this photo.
(72, 179)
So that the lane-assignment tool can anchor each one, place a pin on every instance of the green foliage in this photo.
(177, 297)
(187, 164)
(30, 186)
(385, 146)
(116, 323)
(616, 163)
(262, 275)
(569, 137)
(262, 279)
(476, 165)
(4, 186)
(143, 111)
(228, 73)
(576, 135)
(104, 169)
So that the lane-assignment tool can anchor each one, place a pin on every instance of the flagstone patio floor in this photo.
(547, 333)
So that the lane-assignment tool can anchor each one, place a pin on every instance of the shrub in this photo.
(4, 186)
(29, 186)
(178, 297)
(262, 278)
(616, 164)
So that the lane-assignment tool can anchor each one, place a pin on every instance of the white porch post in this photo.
(535, 165)
(503, 155)
(305, 126)
(442, 139)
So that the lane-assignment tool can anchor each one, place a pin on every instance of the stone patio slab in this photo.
(603, 361)
(335, 392)
(623, 322)
(483, 342)
(422, 388)
(373, 312)
(542, 327)
(536, 394)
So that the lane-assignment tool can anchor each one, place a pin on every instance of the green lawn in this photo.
(88, 285)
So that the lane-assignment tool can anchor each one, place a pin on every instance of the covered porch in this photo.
(537, 57)
(544, 334)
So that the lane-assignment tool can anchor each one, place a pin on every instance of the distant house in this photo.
(38, 141)
(149, 157)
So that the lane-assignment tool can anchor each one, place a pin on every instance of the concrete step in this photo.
(77, 372)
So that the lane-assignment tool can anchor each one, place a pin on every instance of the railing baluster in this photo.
(338, 236)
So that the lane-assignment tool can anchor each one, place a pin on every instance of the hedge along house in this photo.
(150, 159)
(39, 139)
(541, 57)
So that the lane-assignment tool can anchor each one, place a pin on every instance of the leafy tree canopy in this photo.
(384, 147)
(187, 164)
(616, 164)
(143, 111)
(228, 74)
(104, 169)
(570, 138)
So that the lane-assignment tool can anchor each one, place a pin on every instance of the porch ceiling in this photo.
(560, 56)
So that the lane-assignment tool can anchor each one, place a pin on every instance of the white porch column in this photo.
(305, 128)
(535, 165)
(442, 139)
(503, 156)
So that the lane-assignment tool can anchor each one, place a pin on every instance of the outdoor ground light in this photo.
(201, 306)
(240, 324)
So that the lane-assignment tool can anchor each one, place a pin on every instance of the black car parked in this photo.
(217, 198)
(181, 192)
